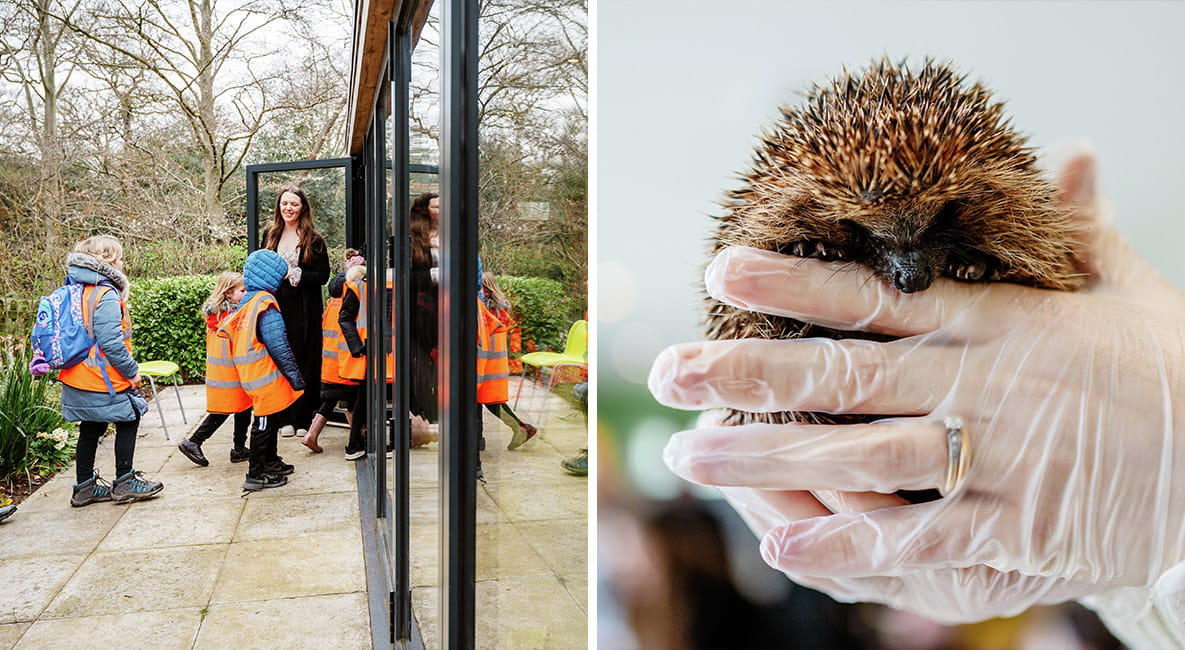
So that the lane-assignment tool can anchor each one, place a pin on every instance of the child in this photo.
(499, 306)
(224, 395)
(352, 354)
(102, 389)
(265, 364)
(334, 387)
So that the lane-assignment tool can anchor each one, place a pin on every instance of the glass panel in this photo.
(326, 189)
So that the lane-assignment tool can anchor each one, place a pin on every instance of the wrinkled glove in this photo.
(1075, 408)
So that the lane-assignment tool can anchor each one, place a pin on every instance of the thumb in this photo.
(1100, 252)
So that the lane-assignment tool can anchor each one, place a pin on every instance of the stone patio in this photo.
(205, 566)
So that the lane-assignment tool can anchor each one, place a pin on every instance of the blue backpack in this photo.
(61, 337)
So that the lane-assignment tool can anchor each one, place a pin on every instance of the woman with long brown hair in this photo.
(424, 215)
(293, 235)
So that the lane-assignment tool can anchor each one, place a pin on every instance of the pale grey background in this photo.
(683, 88)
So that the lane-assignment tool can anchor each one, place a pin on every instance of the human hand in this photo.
(135, 381)
(1068, 398)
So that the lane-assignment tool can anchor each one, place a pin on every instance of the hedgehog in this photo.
(910, 174)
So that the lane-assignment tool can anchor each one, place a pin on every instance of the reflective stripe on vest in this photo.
(331, 337)
(349, 366)
(224, 394)
(493, 361)
(88, 375)
(258, 374)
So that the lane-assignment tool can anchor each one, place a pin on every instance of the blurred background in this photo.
(683, 88)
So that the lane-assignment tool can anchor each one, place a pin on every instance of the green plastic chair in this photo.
(575, 354)
(159, 370)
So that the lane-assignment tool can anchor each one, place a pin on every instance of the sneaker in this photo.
(90, 491)
(239, 454)
(7, 511)
(577, 465)
(302, 432)
(287, 431)
(517, 440)
(255, 484)
(193, 451)
(278, 468)
(134, 487)
(355, 455)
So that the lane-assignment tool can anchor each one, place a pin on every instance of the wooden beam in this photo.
(370, 50)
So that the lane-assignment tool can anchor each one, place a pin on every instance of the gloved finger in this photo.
(850, 502)
(880, 457)
(831, 294)
(894, 541)
(902, 377)
(765, 510)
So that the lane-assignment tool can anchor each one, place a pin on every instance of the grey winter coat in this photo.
(84, 405)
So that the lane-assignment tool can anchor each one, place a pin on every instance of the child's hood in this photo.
(336, 285)
(88, 269)
(264, 271)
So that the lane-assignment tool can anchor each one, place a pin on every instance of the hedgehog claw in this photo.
(974, 272)
(816, 249)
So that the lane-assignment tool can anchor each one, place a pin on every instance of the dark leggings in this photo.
(357, 421)
(88, 443)
(502, 411)
(215, 420)
(331, 394)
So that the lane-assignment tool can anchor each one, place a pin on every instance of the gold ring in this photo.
(958, 445)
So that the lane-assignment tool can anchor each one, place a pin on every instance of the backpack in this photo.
(61, 337)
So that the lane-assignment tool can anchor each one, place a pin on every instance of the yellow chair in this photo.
(575, 354)
(160, 370)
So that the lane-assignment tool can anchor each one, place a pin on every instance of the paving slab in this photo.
(542, 501)
(331, 621)
(290, 516)
(502, 551)
(140, 580)
(162, 523)
(10, 633)
(159, 630)
(577, 586)
(29, 584)
(563, 543)
(504, 622)
(327, 563)
(58, 530)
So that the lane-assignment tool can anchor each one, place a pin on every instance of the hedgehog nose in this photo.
(910, 273)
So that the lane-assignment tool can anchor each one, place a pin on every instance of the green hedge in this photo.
(542, 308)
(168, 323)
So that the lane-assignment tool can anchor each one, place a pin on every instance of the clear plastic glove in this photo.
(1074, 402)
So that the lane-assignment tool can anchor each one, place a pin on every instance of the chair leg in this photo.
(177, 392)
(159, 410)
(522, 376)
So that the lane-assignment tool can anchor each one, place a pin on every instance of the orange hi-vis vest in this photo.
(224, 393)
(331, 337)
(493, 361)
(352, 367)
(95, 373)
(259, 375)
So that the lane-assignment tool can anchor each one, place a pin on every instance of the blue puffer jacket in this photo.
(264, 271)
(77, 404)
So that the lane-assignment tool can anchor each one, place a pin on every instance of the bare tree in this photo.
(33, 57)
(222, 65)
